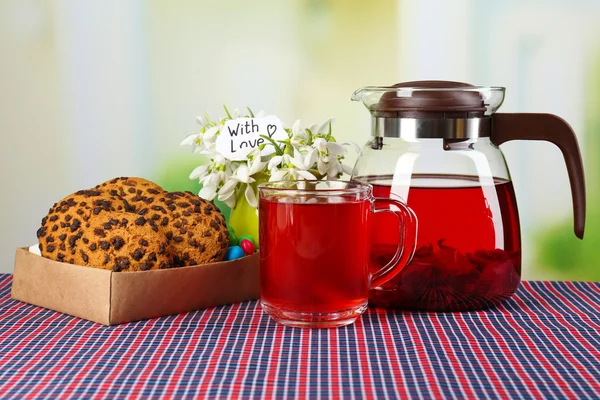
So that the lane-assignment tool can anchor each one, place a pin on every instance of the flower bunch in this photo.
(306, 154)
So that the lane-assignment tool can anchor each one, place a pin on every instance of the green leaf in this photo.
(278, 150)
(310, 137)
(250, 111)
(227, 112)
(210, 121)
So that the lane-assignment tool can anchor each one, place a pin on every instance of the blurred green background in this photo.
(93, 90)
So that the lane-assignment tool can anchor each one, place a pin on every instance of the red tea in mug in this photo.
(315, 249)
(313, 256)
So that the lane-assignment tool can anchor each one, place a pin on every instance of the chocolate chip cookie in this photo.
(74, 212)
(195, 228)
(111, 241)
(104, 227)
(131, 189)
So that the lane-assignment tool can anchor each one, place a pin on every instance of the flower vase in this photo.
(244, 218)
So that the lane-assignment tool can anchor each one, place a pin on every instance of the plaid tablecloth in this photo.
(544, 342)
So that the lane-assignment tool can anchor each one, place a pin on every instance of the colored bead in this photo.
(247, 246)
(247, 237)
(233, 253)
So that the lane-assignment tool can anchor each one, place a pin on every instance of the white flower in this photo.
(250, 196)
(325, 128)
(306, 150)
(299, 136)
(286, 167)
(241, 173)
(210, 133)
(200, 172)
(190, 139)
(212, 176)
(328, 162)
(255, 162)
(227, 192)
(203, 142)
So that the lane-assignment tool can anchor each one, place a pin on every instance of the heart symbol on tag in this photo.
(271, 129)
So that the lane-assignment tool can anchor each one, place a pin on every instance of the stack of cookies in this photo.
(132, 224)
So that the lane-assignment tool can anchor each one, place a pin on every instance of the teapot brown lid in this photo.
(439, 102)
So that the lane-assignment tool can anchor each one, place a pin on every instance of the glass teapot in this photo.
(434, 146)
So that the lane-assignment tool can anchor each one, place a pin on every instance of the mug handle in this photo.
(406, 245)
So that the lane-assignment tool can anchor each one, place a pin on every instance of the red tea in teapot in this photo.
(435, 145)
(468, 252)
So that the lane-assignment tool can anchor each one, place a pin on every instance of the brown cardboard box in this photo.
(112, 298)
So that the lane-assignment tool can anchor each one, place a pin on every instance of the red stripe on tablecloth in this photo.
(574, 331)
(334, 364)
(425, 366)
(274, 359)
(303, 370)
(366, 378)
(382, 361)
(531, 344)
(242, 370)
(20, 372)
(63, 387)
(216, 354)
(466, 387)
(106, 383)
(5, 283)
(55, 344)
(525, 378)
(483, 355)
(94, 360)
(175, 324)
(407, 344)
(585, 297)
(397, 372)
(591, 286)
(5, 336)
(569, 304)
(205, 316)
(263, 348)
(230, 364)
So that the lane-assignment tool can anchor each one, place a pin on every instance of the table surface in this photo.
(544, 342)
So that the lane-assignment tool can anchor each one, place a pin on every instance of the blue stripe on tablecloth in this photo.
(554, 328)
(542, 343)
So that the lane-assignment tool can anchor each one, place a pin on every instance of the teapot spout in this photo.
(370, 95)
(358, 94)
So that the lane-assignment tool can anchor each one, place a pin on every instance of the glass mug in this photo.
(315, 237)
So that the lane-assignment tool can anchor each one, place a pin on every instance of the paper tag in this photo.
(238, 137)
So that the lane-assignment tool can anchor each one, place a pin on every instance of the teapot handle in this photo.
(550, 128)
